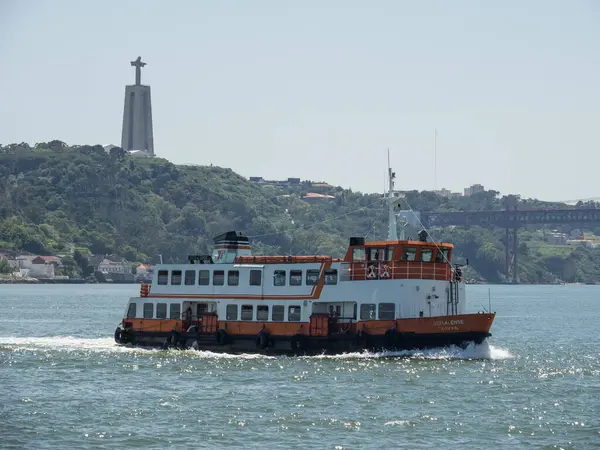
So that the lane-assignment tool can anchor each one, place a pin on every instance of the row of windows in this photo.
(408, 254)
(233, 277)
(387, 311)
(262, 312)
(231, 313)
(161, 311)
(312, 277)
(368, 311)
(189, 277)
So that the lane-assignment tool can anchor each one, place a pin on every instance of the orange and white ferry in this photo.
(393, 294)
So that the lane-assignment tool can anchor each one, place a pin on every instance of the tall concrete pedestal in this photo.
(137, 115)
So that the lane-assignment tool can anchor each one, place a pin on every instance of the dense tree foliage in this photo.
(59, 197)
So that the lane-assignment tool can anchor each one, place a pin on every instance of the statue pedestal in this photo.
(137, 119)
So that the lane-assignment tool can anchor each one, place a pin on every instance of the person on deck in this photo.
(188, 314)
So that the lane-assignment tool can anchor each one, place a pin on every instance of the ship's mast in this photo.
(391, 199)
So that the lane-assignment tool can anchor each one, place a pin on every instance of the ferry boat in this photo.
(393, 294)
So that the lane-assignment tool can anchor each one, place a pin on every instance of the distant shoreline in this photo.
(81, 281)
(71, 281)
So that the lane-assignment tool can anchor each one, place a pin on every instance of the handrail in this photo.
(284, 259)
(383, 270)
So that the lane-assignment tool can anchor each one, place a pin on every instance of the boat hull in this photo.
(436, 332)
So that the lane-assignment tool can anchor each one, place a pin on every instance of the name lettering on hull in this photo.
(439, 323)
(448, 325)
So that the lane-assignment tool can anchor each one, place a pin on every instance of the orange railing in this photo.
(398, 270)
(284, 259)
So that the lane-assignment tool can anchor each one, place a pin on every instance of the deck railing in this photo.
(395, 270)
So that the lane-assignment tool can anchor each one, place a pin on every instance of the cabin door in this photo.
(319, 324)
(257, 281)
(207, 323)
(206, 318)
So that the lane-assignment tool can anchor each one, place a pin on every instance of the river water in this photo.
(64, 384)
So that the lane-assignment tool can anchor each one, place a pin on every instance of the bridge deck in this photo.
(511, 219)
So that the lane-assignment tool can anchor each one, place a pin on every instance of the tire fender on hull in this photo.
(391, 338)
(119, 336)
(173, 341)
(262, 340)
(124, 336)
(222, 337)
(363, 339)
(298, 343)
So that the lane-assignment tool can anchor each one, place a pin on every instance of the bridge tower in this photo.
(511, 244)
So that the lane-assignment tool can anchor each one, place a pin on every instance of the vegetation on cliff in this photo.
(80, 200)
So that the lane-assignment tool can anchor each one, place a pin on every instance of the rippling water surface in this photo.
(64, 384)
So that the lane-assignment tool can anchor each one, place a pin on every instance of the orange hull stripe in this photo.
(242, 297)
(155, 325)
(464, 323)
(274, 328)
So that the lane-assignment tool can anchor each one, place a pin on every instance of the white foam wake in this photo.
(472, 351)
(107, 344)
(63, 343)
(103, 345)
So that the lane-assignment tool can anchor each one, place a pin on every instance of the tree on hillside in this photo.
(107, 203)
(84, 264)
(5, 267)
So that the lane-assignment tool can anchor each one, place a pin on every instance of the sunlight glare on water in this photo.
(67, 385)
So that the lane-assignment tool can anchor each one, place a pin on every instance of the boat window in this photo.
(161, 310)
(367, 311)
(163, 277)
(175, 311)
(176, 277)
(426, 254)
(190, 277)
(279, 278)
(387, 311)
(312, 276)
(295, 277)
(358, 254)
(231, 312)
(204, 278)
(277, 313)
(294, 313)
(255, 278)
(201, 308)
(442, 256)
(247, 312)
(389, 253)
(131, 310)
(376, 254)
(409, 253)
(262, 312)
(233, 277)
(148, 310)
(218, 278)
(331, 276)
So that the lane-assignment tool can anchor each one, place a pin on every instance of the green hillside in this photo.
(58, 197)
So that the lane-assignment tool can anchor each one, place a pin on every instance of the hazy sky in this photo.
(320, 89)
